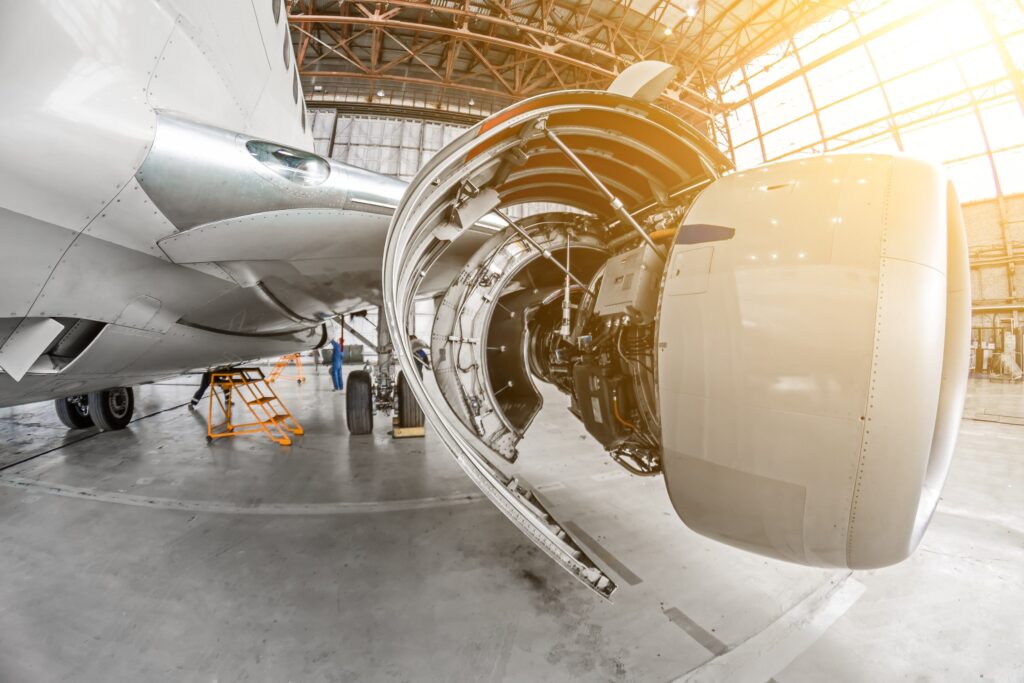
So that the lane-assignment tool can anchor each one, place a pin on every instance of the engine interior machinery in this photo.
(787, 345)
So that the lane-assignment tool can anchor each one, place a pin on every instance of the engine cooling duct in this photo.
(812, 321)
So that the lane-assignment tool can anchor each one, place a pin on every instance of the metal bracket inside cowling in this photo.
(514, 158)
(476, 206)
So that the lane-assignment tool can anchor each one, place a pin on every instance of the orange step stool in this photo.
(249, 387)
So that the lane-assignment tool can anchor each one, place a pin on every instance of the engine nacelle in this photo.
(813, 357)
(794, 363)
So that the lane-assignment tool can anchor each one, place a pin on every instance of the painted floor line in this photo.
(706, 638)
(764, 655)
(340, 508)
(999, 419)
(89, 435)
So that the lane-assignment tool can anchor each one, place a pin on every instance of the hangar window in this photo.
(287, 50)
(277, 11)
(933, 79)
(291, 164)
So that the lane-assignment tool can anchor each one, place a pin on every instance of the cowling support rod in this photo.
(617, 205)
(544, 252)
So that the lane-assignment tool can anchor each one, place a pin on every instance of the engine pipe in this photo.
(616, 203)
(544, 252)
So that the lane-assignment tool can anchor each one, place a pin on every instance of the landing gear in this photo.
(73, 411)
(359, 402)
(409, 412)
(111, 409)
(382, 388)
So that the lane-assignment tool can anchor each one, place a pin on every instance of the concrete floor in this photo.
(147, 555)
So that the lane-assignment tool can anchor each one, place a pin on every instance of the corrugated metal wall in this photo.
(392, 146)
(992, 275)
(397, 147)
(996, 283)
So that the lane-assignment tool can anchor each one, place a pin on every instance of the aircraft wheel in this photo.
(359, 402)
(111, 409)
(409, 412)
(73, 411)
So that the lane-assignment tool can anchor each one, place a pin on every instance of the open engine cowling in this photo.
(788, 345)
(643, 154)
(813, 365)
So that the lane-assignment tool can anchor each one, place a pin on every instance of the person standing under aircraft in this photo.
(204, 384)
(421, 351)
(337, 335)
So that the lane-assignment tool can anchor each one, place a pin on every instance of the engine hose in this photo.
(633, 340)
(615, 409)
(630, 359)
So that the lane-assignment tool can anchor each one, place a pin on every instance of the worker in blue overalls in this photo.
(337, 335)
(421, 352)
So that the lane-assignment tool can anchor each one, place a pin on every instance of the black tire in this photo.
(409, 412)
(359, 402)
(111, 409)
(73, 411)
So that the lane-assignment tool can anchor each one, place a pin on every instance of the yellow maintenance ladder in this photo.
(282, 363)
(249, 387)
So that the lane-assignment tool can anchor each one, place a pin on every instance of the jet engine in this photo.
(787, 346)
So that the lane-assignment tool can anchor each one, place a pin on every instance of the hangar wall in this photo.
(993, 283)
(393, 146)
(400, 146)
(996, 282)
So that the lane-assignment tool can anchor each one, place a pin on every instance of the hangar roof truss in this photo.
(477, 56)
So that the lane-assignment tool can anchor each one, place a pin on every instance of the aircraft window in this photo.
(287, 50)
(291, 164)
(277, 11)
(303, 118)
(295, 88)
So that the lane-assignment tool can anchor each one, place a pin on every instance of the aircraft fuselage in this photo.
(160, 203)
